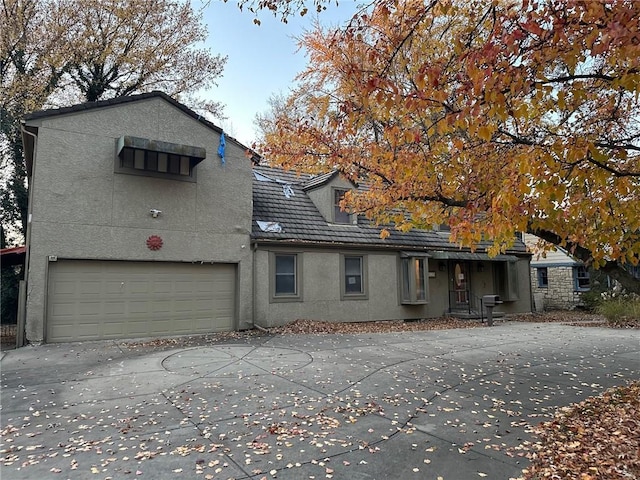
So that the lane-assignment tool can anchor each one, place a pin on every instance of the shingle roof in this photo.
(301, 222)
(319, 180)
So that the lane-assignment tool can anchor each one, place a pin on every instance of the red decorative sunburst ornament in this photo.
(154, 242)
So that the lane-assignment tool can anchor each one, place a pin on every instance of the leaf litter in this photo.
(319, 427)
(596, 439)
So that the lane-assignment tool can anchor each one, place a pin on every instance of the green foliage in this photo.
(591, 300)
(620, 310)
(600, 289)
(9, 294)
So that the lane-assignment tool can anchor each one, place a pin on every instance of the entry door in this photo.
(460, 283)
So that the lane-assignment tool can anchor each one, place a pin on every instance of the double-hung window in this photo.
(543, 277)
(353, 277)
(413, 280)
(339, 215)
(581, 279)
(285, 279)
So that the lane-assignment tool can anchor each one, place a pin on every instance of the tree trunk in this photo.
(615, 270)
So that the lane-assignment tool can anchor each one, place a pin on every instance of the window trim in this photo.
(542, 276)
(577, 277)
(364, 294)
(335, 207)
(283, 298)
(412, 287)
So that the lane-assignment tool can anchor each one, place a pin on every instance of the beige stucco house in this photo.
(138, 227)
(314, 261)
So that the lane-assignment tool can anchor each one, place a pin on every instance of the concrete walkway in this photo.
(454, 404)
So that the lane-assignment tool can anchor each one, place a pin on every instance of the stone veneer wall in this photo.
(560, 293)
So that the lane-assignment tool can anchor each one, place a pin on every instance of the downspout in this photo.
(22, 306)
(532, 300)
(254, 283)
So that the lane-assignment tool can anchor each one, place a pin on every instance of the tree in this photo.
(122, 47)
(494, 117)
(285, 8)
(28, 75)
(265, 121)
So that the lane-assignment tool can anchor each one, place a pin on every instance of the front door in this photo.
(460, 282)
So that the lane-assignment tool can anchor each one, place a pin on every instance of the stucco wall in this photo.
(321, 290)
(81, 209)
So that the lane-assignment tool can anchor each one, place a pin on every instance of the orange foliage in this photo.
(495, 117)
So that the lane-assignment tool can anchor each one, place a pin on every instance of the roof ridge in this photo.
(108, 102)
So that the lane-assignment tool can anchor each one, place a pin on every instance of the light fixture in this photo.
(155, 212)
(481, 267)
(442, 266)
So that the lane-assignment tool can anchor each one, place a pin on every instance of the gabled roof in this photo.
(81, 107)
(293, 218)
(554, 257)
(112, 102)
(317, 181)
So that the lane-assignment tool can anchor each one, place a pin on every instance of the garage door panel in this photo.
(102, 300)
(90, 287)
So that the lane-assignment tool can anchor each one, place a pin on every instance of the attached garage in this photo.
(95, 300)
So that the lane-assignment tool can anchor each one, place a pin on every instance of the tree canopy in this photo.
(60, 52)
(493, 117)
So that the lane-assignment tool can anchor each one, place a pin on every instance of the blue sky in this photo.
(262, 59)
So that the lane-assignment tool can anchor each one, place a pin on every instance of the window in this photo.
(413, 280)
(155, 158)
(339, 215)
(285, 280)
(353, 278)
(157, 162)
(543, 277)
(581, 279)
(506, 280)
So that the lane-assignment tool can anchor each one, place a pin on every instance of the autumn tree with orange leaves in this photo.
(493, 117)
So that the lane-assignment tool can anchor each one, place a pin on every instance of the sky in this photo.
(262, 60)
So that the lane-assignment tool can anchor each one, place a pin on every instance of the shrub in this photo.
(620, 310)
(591, 300)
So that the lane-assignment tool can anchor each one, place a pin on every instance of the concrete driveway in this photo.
(454, 404)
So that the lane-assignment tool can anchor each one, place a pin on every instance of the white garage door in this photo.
(91, 300)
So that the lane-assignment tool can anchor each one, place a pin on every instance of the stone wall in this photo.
(560, 292)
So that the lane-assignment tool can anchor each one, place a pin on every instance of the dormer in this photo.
(326, 191)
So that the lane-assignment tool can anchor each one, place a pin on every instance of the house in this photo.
(144, 220)
(314, 261)
(136, 226)
(557, 278)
